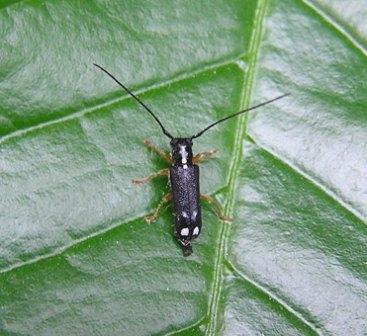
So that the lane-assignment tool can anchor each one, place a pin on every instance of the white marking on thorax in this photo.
(184, 231)
(184, 154)
(196, 231)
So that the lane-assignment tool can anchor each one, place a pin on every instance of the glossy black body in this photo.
(184, 176)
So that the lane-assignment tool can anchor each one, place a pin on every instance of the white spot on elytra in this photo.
(185, 231)
(184, 214)
(194, 214)
(196, 231)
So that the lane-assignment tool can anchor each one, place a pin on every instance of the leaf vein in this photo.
(65, 247)
(178, 331)
(275, 298)
(336, 25)
(332, 195)
(82, 112)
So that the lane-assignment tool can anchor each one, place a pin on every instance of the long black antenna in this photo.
(136, 98)
(236, 114)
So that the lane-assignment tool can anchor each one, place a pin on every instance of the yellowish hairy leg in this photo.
(154, 216)
(216, 206)
(162, 172)
(163, 154)
(201, 157)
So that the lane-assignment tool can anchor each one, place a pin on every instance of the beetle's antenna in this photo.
(136, 98)
(236, 114)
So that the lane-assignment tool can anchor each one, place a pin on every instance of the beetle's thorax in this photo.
(182, 152)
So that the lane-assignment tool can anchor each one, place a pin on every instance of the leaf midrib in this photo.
(254, 47)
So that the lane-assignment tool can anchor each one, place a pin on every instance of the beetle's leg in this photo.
(162, 172)
(217, 207)
(199, 158)
(163, 154)
(154, 216)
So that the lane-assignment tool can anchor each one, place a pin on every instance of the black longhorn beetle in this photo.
(184, 177)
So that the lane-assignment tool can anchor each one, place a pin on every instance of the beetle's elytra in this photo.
(184, 177)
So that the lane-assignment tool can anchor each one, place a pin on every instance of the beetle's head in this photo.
(181, 151)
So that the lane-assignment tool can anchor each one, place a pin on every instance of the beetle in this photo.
(184, 177)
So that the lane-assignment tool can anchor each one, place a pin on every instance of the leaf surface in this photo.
(76, 256)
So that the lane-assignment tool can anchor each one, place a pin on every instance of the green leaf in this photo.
(77, 258)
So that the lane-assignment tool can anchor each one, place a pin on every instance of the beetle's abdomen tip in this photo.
(187, 250)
